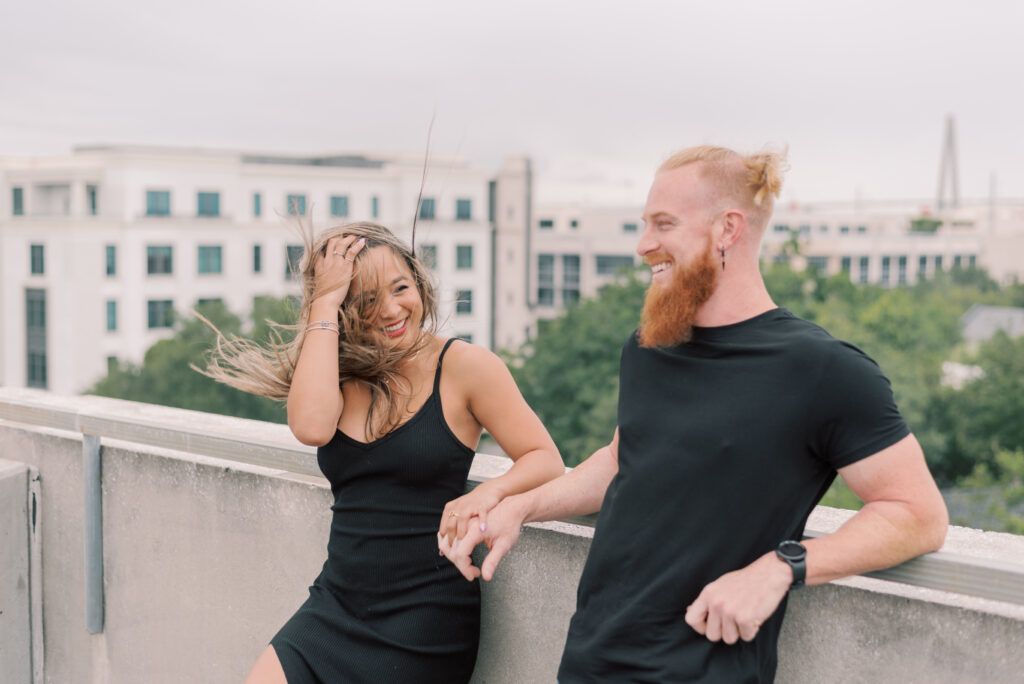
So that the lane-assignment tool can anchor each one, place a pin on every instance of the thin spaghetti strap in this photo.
(437, 373)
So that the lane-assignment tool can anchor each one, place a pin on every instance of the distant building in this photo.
(982, 322)
(899, 247)
(98, 248)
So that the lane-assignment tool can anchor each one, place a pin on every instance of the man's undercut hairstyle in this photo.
(750, 183)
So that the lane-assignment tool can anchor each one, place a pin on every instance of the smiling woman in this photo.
(363, 380)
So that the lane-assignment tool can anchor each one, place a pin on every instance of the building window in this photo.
(92, 199)
(629, 227)
(804, 230)
(466, 337)
(864, 263)
(35, 338)
(292, 259)
(546, 224)
(111, 315)
(159, 260)
(938, 263)
(862, 229)
(375, 206)
(209, 259)
(206, 302)
(886, 261)
(546, 279)
(427, 209)
(427, 255)
(257, 205)
(570, 279)
(780, 258)
(464, 257)
(780, 228)
(339, 205)
(463, 301)
(807, 229)
(35, 258)
(957, 261)
(17, 201)
(257, 259)
(463, 210)
(845, 264)
(296, 205)
(208, 204)
(160, 313)
(607, 264)
(901, 270)
(817, 264)
(922, 267)
(575, 223)
(158, 203)
(972, 260)
(111, 259)
(844, 230)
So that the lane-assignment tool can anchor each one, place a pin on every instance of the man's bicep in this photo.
(896, 473)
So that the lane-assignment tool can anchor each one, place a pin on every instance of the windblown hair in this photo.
(753, 182)
(363, 352)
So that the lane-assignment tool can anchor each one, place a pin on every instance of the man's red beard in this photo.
(670, 308)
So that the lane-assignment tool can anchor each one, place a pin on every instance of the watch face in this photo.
(793, 550)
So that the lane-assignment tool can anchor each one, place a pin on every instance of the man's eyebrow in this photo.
(656, 216)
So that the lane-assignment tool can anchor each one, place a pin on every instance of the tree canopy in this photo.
(166, 376)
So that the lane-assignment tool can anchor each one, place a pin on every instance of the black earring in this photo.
(723, 257)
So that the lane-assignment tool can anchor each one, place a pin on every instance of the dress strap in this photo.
(437, 374)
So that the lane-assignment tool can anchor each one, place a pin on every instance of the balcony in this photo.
(179, 558)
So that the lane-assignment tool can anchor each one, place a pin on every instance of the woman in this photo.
(397, 413)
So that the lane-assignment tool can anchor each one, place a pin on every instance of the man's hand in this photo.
(500, 533)
(736, 604)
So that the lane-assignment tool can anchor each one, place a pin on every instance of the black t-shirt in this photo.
(726, 443)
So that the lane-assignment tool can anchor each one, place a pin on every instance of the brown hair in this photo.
(752, 181)
(363, 354)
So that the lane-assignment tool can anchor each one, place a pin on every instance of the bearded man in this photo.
(734, 417)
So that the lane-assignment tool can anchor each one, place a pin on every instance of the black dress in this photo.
(387, 607)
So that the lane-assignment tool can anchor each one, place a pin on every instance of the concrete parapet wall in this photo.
(204, 559)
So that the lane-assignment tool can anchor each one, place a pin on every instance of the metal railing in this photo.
(945, 571)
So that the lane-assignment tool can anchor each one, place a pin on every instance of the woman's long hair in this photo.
(363, 351)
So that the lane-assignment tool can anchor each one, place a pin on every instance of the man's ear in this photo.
(734, 225)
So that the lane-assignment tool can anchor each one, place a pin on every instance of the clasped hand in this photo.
(498, 529)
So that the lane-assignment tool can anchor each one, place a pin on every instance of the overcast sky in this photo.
(597, 93)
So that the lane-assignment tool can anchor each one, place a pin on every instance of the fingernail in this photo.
(362, 240)
(483, 527)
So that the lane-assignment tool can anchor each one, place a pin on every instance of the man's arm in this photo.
(578, 492)
(903, 516)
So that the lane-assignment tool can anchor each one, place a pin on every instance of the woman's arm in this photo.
(494, 401)
(314, 398)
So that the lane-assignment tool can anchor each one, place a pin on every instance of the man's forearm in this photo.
(578, 492)
(881, 535)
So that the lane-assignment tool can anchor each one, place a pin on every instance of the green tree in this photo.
(985, 416)
(569, 374)
(166, 377)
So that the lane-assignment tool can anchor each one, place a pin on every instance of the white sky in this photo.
(598, 93)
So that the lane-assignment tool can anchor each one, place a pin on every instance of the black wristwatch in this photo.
(795, 554)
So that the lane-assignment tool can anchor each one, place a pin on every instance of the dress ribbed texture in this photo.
(386, 607)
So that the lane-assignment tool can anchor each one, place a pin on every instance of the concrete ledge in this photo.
(205, 558)
(15, 569)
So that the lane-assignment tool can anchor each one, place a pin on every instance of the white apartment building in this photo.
(882, 248)
(566, 253)
(98, 248)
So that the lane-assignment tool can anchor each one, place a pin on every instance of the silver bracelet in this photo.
(323, 325)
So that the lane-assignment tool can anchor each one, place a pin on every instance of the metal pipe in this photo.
(93, 519)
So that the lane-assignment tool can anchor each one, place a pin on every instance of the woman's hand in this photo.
(459, 513)
(335, 268)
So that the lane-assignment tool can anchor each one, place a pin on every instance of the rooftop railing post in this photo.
(93, 517)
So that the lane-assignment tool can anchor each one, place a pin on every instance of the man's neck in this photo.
(738, 296)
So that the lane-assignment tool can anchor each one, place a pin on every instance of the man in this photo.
(734, 416)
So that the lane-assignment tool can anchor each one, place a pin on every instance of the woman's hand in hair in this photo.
(335, 267)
